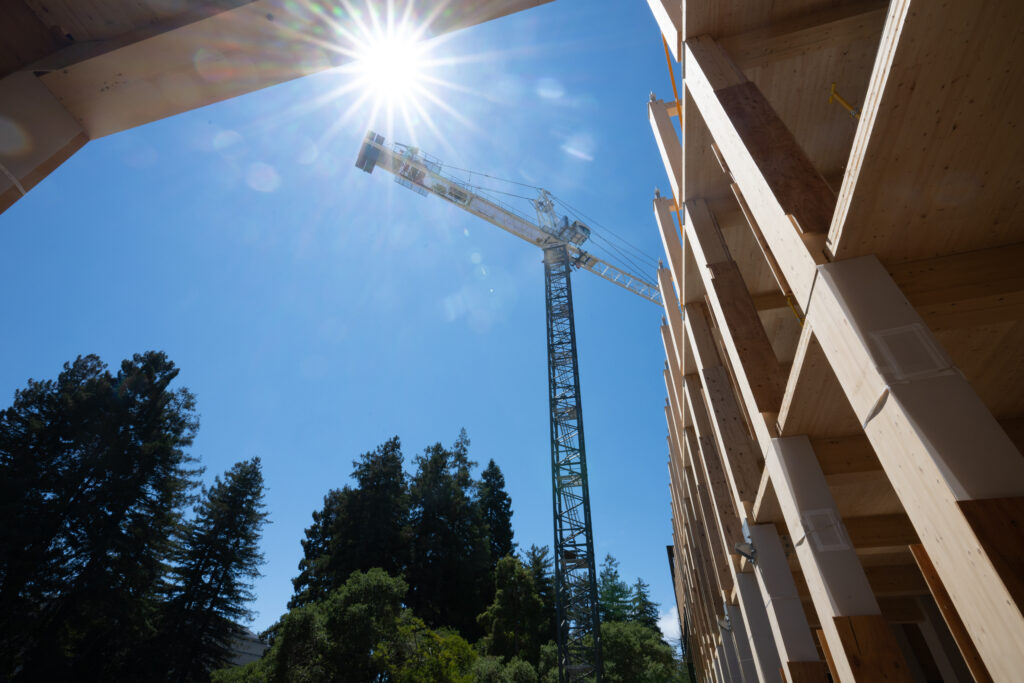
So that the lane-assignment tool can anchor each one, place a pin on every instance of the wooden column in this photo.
(797, 651)
(743, 335)
(741, 643)
(957, 473)
(741, 457)
(759, 629)
(859, 639)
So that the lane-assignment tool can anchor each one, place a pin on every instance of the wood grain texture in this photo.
(797, 185)
(871, 649)
(949, 613)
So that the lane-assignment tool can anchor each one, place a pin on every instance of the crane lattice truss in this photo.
(579, 633)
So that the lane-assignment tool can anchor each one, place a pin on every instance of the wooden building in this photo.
(844, 336)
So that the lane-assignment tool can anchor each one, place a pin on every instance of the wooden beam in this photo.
(806, 34)
(671, 240)
(668, 144)
(843, 598)
(779, 183)
(669, 15)
(741, 643)
(674, 315)
(938, 444)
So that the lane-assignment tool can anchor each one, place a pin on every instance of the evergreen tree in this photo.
(316, 577)
(538, 561)
(641, 609)
(612, 592)
(449, 570)
(496, 506)
(212, 582)
(515, 620)
(358, 528)
(93, 479)
(376, 528)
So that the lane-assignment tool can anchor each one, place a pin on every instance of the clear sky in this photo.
(316, 311)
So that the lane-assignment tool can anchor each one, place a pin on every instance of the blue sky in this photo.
(316, 311)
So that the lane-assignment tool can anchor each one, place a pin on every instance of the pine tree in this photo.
(219, 557)
(515, 620)
(538, 561)
(93, 479)
(612, 592)
(449, 570)
(496, 506)
(641, 609)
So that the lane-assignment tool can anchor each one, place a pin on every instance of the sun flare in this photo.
(391, 65)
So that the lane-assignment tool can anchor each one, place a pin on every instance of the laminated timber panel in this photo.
(957, 474)
(935, 165)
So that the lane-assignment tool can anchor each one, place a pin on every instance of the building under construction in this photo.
(844, 297)
(843, 292)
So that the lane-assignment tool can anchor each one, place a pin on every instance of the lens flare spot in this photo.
(14, 140)
(262, 177)
(212, 66)
(225, 139)
(550, 89)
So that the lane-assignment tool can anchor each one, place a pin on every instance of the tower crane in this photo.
(578, 632)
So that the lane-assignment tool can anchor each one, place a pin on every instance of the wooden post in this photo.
(859, 639)
(759, 629)
(958, 475)
(797, 651)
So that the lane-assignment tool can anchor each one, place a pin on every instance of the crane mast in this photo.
(579, 632)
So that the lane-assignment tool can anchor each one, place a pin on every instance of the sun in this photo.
(391, 65)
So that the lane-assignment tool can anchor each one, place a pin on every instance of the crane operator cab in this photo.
(575, 232)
